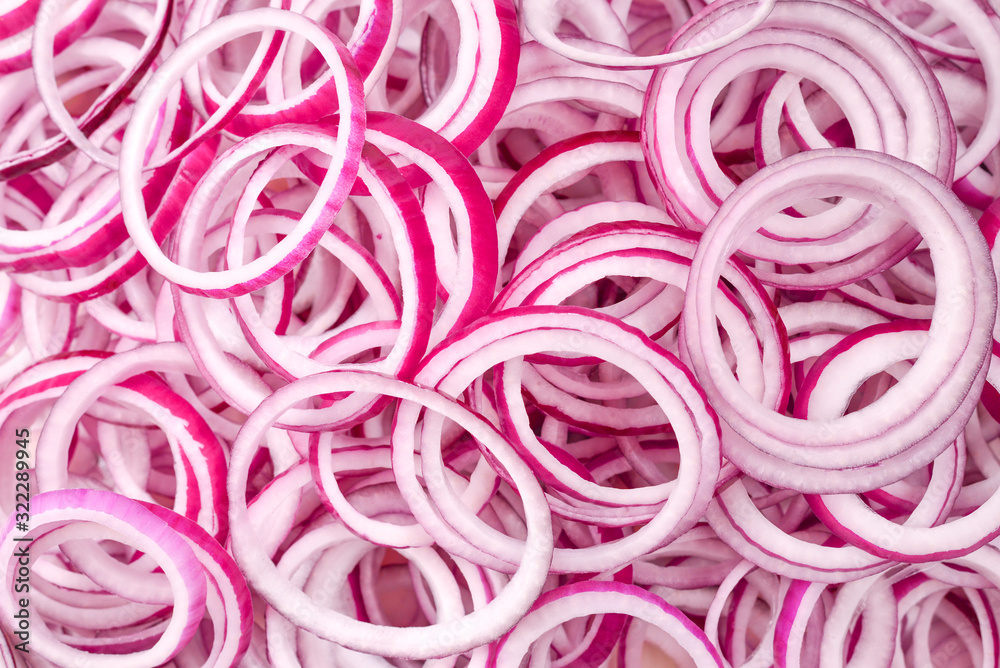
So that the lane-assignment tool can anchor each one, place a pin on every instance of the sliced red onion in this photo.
(80, 514)
(358, 332)
(453, 637)
(850, 444)
(570, 601)
(345, 154)
(603, 28)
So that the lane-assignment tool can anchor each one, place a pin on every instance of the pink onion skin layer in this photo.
(495, 333)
